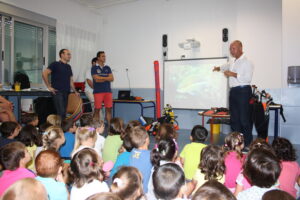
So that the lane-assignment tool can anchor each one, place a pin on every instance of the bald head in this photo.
(236, 49)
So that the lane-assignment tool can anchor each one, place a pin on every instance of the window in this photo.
(27, 43)
(51, 46)
(28, 51)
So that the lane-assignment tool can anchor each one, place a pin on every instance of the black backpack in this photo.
(23, 79)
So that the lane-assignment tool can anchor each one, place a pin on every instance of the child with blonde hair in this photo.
(54, 120)
(26, 188)
(85, 137)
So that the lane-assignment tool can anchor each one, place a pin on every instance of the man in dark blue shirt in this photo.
(102, 76)
(61, 81)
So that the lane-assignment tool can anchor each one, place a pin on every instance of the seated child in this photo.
(233, 158)
(30, 119)
(127, 183)
(124, 157)
(165, 152)
(190, 155)
(99, 126)
(241, 182)
(262, 169)
(49, 170)
(277, 195)
(9, 130)
(140, 155)
(85, 137)
(213, 190)
(54, 120)
(53, 138)
(86, 171)
(69, 129)
(166, 131)
(169, 182)
(26, 188)
(14, 158)
(32, 139)
(104, 196)
(211, 166)
(113, 141)
(290, 170)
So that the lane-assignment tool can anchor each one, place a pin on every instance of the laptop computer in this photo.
(124, 95)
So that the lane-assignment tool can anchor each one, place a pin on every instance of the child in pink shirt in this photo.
(290, 169)
(233, 158)
(14, 158)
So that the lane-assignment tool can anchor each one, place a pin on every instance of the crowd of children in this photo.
(61, 161)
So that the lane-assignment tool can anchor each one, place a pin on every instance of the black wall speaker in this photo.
(165, 40)
(225, 35)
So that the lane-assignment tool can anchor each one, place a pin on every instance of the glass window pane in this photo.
(51, 46)
(7, 50)
(28, 51)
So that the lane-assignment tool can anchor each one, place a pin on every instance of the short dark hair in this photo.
(30, 136)
(116, 126)
(127, 144)
(199, 133)
(62, 51)
(212, 162)
(94, 60)
(7, 128)
(11, 154)
(29, 117)
(213, 190)
(67, 124)
(277, 195)
(99, 53)
(86, 119)
(262, 168)
(284, 149)
(167, 181)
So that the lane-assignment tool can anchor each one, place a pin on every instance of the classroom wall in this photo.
(257, 23)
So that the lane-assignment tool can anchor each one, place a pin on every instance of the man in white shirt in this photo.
(239, 73)
(89, 83)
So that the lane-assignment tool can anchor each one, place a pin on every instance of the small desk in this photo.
(213, 117)
(141, 103)
(275, 107)
(20, 94)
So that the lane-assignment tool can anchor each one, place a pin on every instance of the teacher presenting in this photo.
(239, 72)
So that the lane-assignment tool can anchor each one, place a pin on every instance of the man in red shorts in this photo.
(102, 76)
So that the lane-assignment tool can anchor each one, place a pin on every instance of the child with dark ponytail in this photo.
(165, 152)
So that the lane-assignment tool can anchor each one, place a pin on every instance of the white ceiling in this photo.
(98, 4)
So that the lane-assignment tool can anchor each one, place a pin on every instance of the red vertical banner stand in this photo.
(157, 88)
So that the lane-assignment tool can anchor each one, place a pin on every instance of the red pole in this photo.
(157, 88)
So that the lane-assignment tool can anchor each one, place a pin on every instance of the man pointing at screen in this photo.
(239, 73)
